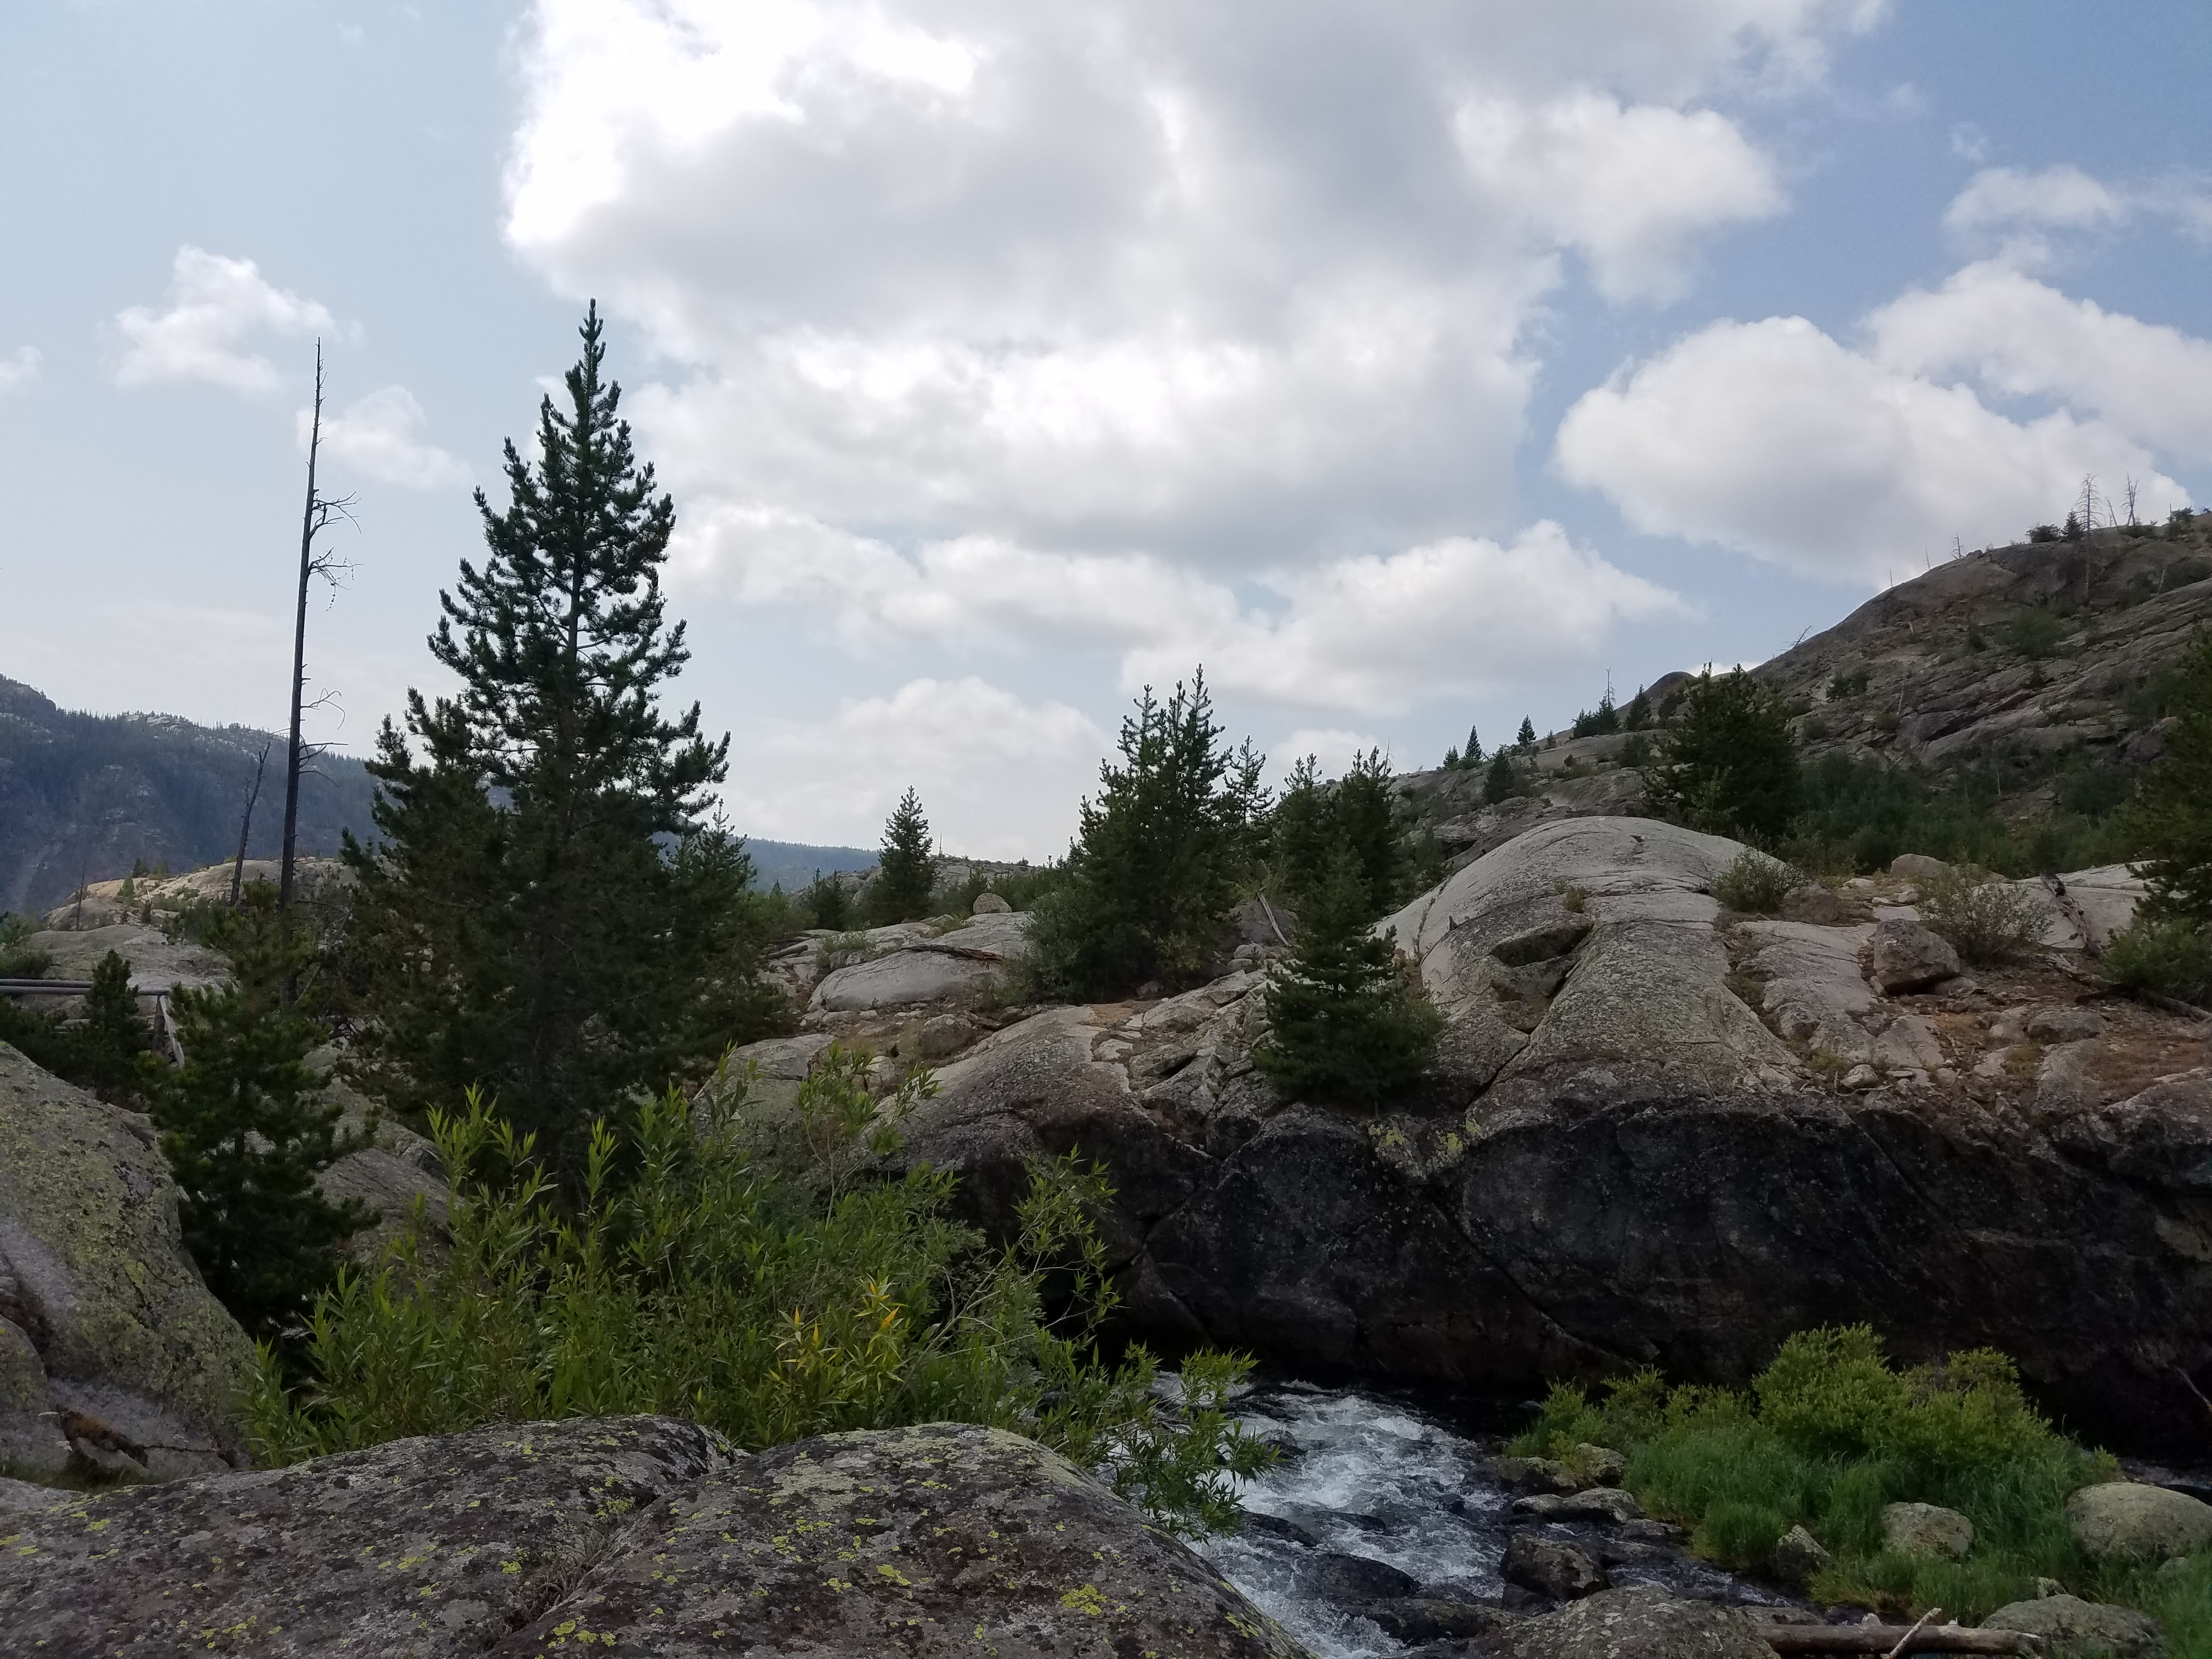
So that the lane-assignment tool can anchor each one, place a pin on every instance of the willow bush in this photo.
(693, 1278)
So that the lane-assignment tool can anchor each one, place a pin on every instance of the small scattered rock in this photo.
(1798, 1556)
(2127, 1517)
(1598, 1503)
(2065, 1023)
(1276, 1527)
(1811, 902)
(1600, 1466)
(2122, 1633)
(944, 1037)
(1558, 1570)
(990, 904)
(1536, 1474)
(1341, 1578)
(1860, 1077)
(1917, 867)
(1420, 1619)
(1905, 956)
(1926, 1529)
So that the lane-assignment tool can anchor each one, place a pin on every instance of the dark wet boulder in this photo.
(642, 1535)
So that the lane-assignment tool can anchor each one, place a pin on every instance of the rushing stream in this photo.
(1378, 1478)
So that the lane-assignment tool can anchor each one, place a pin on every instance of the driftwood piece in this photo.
(1896, 1638)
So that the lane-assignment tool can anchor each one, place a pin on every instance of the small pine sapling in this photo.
(244, 1133)
(1347, 1020)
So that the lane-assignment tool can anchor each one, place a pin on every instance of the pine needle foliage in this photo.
(1348, 1020)
(245, 1131)
(906, 870)
(706, 1286)
(1727, 765)
(2171, 815)
(547, 911)
(1163, 850)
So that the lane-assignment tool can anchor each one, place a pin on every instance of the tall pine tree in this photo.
(907, 869)
(243, 1129)
(2171, 813)
(1162, 850)
(548, 912)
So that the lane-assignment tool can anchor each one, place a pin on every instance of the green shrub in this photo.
(1755, 884)
(18, 957)
(706, 1286)
(2034, 634)
(1988, 921)
(1742, 1535)
(2172, 957)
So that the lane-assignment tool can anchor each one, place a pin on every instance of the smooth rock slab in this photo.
(2121, 1632)
(2125, 1517)
(640, 1534)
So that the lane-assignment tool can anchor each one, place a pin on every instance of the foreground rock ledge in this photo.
(636, 1534)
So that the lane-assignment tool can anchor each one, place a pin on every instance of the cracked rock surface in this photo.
(642, 1535)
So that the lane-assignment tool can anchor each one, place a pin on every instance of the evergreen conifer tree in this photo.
(1499, 783)
(826, 903)
(1729, 765)
(2171, 813)
(1365, 820)
(1472, 758)
(1158, 858)
(548, 912)
(1300, 834)
(243, 1131)
(113, 1034)
(1451, 758)
(1638, 713)
(1346, 1020)
(1527, 739)
(907, 869)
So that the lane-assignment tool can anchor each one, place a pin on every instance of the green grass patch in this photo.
(1829, 1435)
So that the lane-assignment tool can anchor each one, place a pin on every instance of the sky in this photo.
(1410, 365)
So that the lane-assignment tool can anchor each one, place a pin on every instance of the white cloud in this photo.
(379, 436)
(2023, 339)
(215, 306)
(998, 776)
(1773, 439)
(19, 368)
(1245, 291)
(2018, 214)
(1630, 188)
(1372, 633)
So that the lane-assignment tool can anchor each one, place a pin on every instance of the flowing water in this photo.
(1382, 1478)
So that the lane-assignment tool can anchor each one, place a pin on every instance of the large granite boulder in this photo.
(114, 1360)
(1632, 1152)
(642, 1535)
(2149, 1523)
(1644, 1622)
(2084, 1627)
(925, 967)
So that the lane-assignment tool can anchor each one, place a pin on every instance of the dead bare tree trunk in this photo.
(246, 828)
(292, 756)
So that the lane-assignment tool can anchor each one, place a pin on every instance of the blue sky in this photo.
(1410, 367)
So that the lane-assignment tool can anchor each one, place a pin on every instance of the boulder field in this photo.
(1657, 1133)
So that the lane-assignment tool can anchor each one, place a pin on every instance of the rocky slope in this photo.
(1658, 1133)
(81, 796)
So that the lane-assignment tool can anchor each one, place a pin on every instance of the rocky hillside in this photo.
(84, 796)
(2042, 665)
(1659, 1133)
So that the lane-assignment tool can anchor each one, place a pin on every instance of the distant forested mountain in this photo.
(791, 864)
(83, 796)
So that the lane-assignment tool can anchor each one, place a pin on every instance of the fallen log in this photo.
(1895, 1638)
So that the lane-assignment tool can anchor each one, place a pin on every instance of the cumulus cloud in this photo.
(998, 775)
(1630, 188)
(215, 306)
(1372, 633)
(379, 436)
(1773, 439)
(19, 368)
(2020, 215)
(1237, 290)
(2021, 337)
